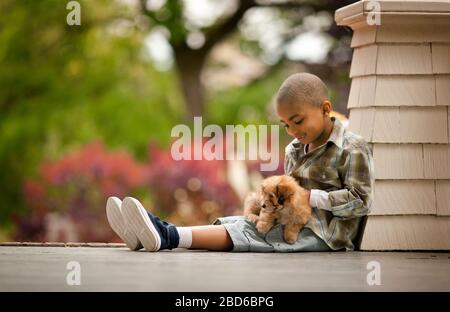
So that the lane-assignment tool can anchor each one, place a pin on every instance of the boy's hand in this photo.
(308, 194)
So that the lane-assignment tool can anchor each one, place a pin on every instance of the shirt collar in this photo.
(336, 136)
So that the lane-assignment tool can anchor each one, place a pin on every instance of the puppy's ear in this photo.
(264, 184)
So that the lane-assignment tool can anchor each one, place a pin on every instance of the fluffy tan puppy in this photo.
(280, 200)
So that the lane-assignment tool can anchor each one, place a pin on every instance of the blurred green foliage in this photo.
(63, 86)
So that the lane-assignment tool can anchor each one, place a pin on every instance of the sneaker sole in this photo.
(140, 223)
(117, 223)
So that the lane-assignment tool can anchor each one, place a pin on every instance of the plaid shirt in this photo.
(343, 167)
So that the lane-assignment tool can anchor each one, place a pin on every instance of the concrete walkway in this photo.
(118, 269)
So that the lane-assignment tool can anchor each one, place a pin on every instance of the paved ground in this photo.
(117, 269)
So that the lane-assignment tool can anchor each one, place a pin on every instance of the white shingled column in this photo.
(399, 102)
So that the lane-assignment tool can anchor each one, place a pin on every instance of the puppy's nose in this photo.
(281, 200)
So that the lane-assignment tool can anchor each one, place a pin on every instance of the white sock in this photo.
(185, 237)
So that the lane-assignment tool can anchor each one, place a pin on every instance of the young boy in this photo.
(330, 161)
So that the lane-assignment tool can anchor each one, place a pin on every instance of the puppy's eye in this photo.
(264, 205)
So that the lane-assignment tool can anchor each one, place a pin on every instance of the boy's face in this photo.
(305, 122)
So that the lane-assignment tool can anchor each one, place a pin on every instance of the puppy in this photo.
(281, 199)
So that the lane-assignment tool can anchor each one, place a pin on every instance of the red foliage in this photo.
(76, 186)
(73, 191)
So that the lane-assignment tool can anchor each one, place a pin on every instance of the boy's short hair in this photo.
(302, 88)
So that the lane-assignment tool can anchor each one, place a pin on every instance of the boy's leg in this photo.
(211, 237)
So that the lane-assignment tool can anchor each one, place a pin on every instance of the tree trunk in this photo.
(189, 66)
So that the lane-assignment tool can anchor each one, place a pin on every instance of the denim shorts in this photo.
(246, 237)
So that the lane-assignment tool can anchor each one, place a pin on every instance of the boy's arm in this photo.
(355, 199)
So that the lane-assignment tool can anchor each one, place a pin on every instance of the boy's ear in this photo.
(326, 107)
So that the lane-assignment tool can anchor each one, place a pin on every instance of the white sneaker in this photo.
(141, 224)
(119, 225)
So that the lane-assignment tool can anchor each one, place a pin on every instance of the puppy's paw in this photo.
(252, 218)
(290, 237)
(263, 227)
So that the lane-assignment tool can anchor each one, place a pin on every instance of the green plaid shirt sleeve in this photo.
(355, 200)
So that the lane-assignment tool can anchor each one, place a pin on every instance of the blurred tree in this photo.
(191, 42)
